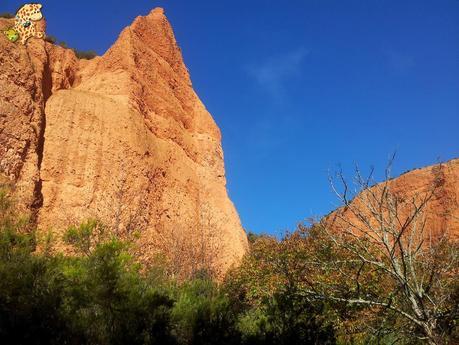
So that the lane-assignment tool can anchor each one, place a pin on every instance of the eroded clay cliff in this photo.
(122, 137)
(437, 185)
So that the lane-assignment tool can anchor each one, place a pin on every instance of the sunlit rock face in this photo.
(437, 184)
(122, 137)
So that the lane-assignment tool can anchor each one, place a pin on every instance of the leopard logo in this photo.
(25, 20)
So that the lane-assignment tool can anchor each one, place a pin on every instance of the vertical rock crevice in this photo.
(44, 82)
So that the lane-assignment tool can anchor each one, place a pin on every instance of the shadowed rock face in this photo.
(441, 212)
(123, 137)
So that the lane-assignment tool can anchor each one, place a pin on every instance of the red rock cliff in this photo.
(441, 212)
(123, 137)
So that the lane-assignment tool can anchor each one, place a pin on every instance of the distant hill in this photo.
(441, 211)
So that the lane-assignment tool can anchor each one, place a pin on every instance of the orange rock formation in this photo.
(123, 136)
(441, 212)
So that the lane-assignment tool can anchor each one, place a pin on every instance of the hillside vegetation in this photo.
(312, 287)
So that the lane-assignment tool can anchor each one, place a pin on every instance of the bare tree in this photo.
(387, 258)
(193, 251)
(121, 209)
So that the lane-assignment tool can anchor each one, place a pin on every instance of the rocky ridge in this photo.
(439, 183)
(122, 137)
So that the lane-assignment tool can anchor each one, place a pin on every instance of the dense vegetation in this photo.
(293, 291)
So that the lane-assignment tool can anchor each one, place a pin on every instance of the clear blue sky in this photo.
(298, 87)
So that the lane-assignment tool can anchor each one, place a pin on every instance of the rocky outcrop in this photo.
(123, 137)
(27, 79)
(439, 184)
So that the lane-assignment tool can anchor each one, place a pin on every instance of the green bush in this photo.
(110, 301)
(85, 54)
(7, 15)
(98, 298)
(202, 314)
(86, 236)
(51, 39)
(80, 54)
(30, 285)
(62, 44)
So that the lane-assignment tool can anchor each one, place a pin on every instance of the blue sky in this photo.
(301, 87)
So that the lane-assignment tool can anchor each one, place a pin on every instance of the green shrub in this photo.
(80, 54)
(7, 15)
(202, 314)
(51, 39)
(112, 303)
(62, 44)
(30, 285)
(85, 54)
(86, 236)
